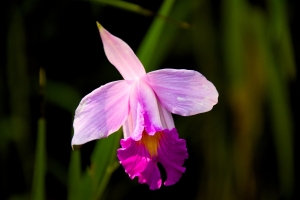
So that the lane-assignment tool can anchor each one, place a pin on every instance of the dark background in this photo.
(245, 148)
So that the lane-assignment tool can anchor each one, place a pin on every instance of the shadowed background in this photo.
(244, 148)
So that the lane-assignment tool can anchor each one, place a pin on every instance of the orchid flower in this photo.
(142, 104)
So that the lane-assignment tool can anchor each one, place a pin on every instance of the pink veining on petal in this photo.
(150, 109)
(145, 112)
(134, 125)
(101, 112)
(121, 55)
(183, 92)
(140, 159)
(166, 117)
(171, 155)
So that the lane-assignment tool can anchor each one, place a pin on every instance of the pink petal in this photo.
(121, 55)
(183, 92)
(101, 112)
(137, 161)
(166, 118)
(134, 125)
(128, 126)
(150, 109)
(145, 113)
(171, 155)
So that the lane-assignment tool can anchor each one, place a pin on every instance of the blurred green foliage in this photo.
(242, 149)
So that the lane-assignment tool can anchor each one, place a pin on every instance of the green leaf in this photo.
(96, 177)
(104, 162)
(18, 90)
(125, 6)
(281, 37)
(173, 28)
(74, 176)
(150, 43)
(38, 184)
(282, 128)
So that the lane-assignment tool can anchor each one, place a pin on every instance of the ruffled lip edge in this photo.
(137, 161)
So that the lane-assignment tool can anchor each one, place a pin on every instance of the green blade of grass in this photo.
(281, 36)
(96, 177)
(280, 112)
(38, 184)
(101, 172)
(282, 129)
(74, 176)
(125, 6)
(174, 27)
(19, 90)
(150, 43)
